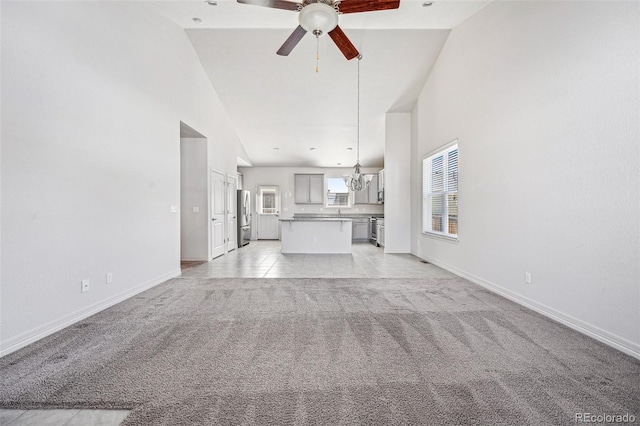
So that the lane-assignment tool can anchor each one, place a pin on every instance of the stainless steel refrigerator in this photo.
(244, 217)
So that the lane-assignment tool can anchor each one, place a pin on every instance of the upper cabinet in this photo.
(361, 197)
(316, 189)
(380, 197)
(309, 189)
(370, 196)
(373, 190)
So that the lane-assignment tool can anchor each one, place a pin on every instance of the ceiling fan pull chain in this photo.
(317, 53)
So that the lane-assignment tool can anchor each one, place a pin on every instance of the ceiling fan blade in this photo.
(353, 6)
(276, 4)
(344, 44)
(292, 41)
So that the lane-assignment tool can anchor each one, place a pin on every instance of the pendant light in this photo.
(358, 181)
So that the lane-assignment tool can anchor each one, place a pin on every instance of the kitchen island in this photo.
(316, 235)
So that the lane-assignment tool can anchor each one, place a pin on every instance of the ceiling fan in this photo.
(320, 17)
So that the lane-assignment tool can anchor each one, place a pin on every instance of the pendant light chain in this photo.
(358, 130)
(357, 181)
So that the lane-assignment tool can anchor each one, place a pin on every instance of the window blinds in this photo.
(440, 192)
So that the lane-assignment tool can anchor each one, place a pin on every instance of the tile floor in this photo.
(262, 259)
(62, 417)
(259, 259)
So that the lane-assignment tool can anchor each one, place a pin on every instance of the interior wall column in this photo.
(397, 183)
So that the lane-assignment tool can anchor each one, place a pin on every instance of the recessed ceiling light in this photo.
(339, 164)
(427, 4)
(349, 149)
(197, 20)
(211, 3)
(312, 149)
(276, 149)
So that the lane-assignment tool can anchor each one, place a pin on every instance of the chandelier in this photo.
(358, 181)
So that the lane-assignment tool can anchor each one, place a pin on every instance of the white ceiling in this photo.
(281, 102)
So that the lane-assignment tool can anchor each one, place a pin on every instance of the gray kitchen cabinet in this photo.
(380, 197)
(380, 234)
(373, 190)
(370, 196)
(316, 189)
(360, 230)
(361, 197)
(308, 189)
(301, 189)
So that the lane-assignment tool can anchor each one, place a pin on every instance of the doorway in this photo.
(268, 209)
(232, 220)
(194, 196)
(218, 214)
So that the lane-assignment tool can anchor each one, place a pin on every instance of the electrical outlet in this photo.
(174, 209)
(109, 277)
(85, 285)
(527, 277)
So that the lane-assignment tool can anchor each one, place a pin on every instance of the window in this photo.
(337, 193)
(268, 201)
(440, 192)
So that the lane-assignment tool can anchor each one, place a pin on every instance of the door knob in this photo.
(213, 218)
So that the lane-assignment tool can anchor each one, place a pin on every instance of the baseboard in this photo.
(51, 327)
(617, 342)
(194, 259)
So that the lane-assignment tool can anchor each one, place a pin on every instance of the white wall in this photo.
(397, 180)
(92, 98)
(194, 193)
(544, 98)
(284, 178)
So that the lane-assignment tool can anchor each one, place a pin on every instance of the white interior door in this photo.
(268, 208)
(232, 217)
(218, 215)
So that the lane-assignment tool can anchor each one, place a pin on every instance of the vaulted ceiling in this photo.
(282, 108)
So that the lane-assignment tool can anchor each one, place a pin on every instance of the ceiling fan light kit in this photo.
(318, 18)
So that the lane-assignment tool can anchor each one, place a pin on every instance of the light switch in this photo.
(196, 209)
(174, 209)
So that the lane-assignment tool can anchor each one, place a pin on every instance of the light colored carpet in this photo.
(322, 352)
